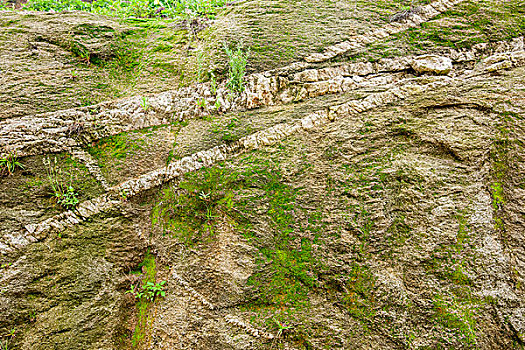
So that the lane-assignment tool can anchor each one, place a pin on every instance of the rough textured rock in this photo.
(336, 203)
(54, 48)
(432, 64)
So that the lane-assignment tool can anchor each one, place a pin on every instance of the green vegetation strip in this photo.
(133, 8)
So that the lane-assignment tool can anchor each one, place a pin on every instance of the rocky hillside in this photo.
(363, 187)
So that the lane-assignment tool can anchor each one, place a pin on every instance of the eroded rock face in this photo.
(432, 64)
(380, 210)
(68, 292)
(422, 178)
(58, 49)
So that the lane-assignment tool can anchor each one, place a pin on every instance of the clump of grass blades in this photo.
(63, 191)
(237, 60)
(9, 164)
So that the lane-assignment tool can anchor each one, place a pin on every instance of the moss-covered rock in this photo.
(373, 208)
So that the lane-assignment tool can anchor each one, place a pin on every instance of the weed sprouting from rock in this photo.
(149, 291)
(63, 190)
(145, 103)
(4, 344)
(281, 327)
(237, 60)
(9, 164)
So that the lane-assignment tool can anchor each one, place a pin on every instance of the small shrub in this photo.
(149, 291)
(9, 164)
(237, 60)
(63, 191)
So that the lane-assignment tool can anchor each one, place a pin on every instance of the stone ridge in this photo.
(247, 327)
(60, 131)
(63, 130)
(400, 91)
(414, 19)
(192, 291)
(91, 165)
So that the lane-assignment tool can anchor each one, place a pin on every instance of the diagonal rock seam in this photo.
(339, 80)
(247, 327)
(196, 295)
(400, 91)
(52, 132)
(91, 165)
(423, 14)
(228, 318)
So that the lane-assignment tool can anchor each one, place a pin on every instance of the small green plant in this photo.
(63, 191)
(217, 104)
(213, 83)
(201, 103)
(149, 291)
(68, 199)
(9, 163)
(281, 327)
(4, 344)
(145, 103)
(153, 290)
(74, 74)
(206, 199)
(124, 195)
(237, 60)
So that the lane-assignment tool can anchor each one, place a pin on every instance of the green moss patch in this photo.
(463, 26)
